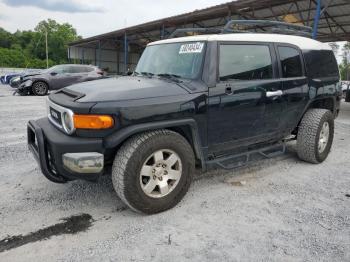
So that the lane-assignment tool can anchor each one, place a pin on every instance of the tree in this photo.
(27, 48)
(59, 35)
(345, 66)
(335, 47)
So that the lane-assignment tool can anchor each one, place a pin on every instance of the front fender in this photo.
(117, 138)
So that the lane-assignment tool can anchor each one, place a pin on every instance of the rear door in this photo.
(247, 98)
(76, 75)
(294, 85)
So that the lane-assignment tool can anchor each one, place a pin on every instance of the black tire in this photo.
(40, 88)
(130, 159)
(309, 134)
(347, 96)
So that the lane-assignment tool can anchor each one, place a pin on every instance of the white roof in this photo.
(303, 43)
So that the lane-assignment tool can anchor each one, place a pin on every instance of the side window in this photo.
(76, 69)
(321, 63)
(89, 69)
(290, 62)
(65, 69)
(58, 69)
(245, 62)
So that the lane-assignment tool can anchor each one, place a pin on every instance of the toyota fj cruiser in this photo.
(196, 101)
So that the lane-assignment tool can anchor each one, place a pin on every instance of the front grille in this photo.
(55, 114)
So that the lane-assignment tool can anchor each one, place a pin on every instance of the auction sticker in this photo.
(191, 48)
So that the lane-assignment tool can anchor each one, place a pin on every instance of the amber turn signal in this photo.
(93, 121)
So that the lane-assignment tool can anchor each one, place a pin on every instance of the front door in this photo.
(60, 77)
(245, 106)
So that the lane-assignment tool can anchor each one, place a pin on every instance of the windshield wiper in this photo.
(144, 74)
(171, 77)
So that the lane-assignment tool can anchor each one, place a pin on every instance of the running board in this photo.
(239, 160)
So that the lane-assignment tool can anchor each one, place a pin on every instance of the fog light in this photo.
(87, 163)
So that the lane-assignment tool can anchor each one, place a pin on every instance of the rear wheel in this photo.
(315, 135)
(40, 88)
(152, 171)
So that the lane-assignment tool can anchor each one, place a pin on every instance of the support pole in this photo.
(99, 53)
(317, 19)
(82, 57)
(47, 50)
(125, 53)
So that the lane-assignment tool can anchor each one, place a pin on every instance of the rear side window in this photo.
(290, 62)
(78, 69)
(245, 62)
(321, 63)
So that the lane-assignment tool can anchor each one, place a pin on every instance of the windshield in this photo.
(177, 59)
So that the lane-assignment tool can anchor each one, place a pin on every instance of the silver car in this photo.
(57, 77)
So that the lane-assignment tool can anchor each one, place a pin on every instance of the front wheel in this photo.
(152, 171)
(315, 135)
(40, 88)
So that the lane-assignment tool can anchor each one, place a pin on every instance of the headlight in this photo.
(27, 83)
(93, 121)
(67, 122)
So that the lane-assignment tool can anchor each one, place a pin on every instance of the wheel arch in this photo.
(185, 127)
(328, 103)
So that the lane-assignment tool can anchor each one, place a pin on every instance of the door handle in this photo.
(228, 91)
(274, 93)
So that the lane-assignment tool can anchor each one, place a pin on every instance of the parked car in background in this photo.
(5, 79)
(345, 85)
(57, 77)
(14, 78)
(15, 81)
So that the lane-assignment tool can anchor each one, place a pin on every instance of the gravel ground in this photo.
(285, 210)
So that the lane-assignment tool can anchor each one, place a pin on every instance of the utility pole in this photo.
(47, 51)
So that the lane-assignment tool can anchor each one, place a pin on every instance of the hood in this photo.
(29, 75)
(126, 88)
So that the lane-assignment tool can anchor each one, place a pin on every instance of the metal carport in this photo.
(120, 50)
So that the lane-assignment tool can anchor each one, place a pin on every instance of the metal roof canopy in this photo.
(330, 20)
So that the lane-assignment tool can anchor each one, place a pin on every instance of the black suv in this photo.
(56, 77)
(195, 101)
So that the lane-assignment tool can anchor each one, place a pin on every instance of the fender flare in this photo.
(117, 138)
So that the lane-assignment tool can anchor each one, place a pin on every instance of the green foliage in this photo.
(345, 65)
(27, 48)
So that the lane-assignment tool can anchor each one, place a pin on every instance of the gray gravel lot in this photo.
(286, 211)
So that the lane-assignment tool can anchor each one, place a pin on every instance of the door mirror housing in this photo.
(53, 73)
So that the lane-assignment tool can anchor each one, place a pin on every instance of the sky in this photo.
(93, 17)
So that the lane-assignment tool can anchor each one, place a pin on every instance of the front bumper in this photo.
(48, 145)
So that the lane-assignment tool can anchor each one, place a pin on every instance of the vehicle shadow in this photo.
(83, 196)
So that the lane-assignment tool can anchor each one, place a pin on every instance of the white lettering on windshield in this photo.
(191, 48)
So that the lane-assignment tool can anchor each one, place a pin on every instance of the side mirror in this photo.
(129, 73)
(53, 73)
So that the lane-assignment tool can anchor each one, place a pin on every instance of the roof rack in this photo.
(249, 26)
(266, 26)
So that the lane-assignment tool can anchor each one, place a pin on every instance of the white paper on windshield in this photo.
(191, 48)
